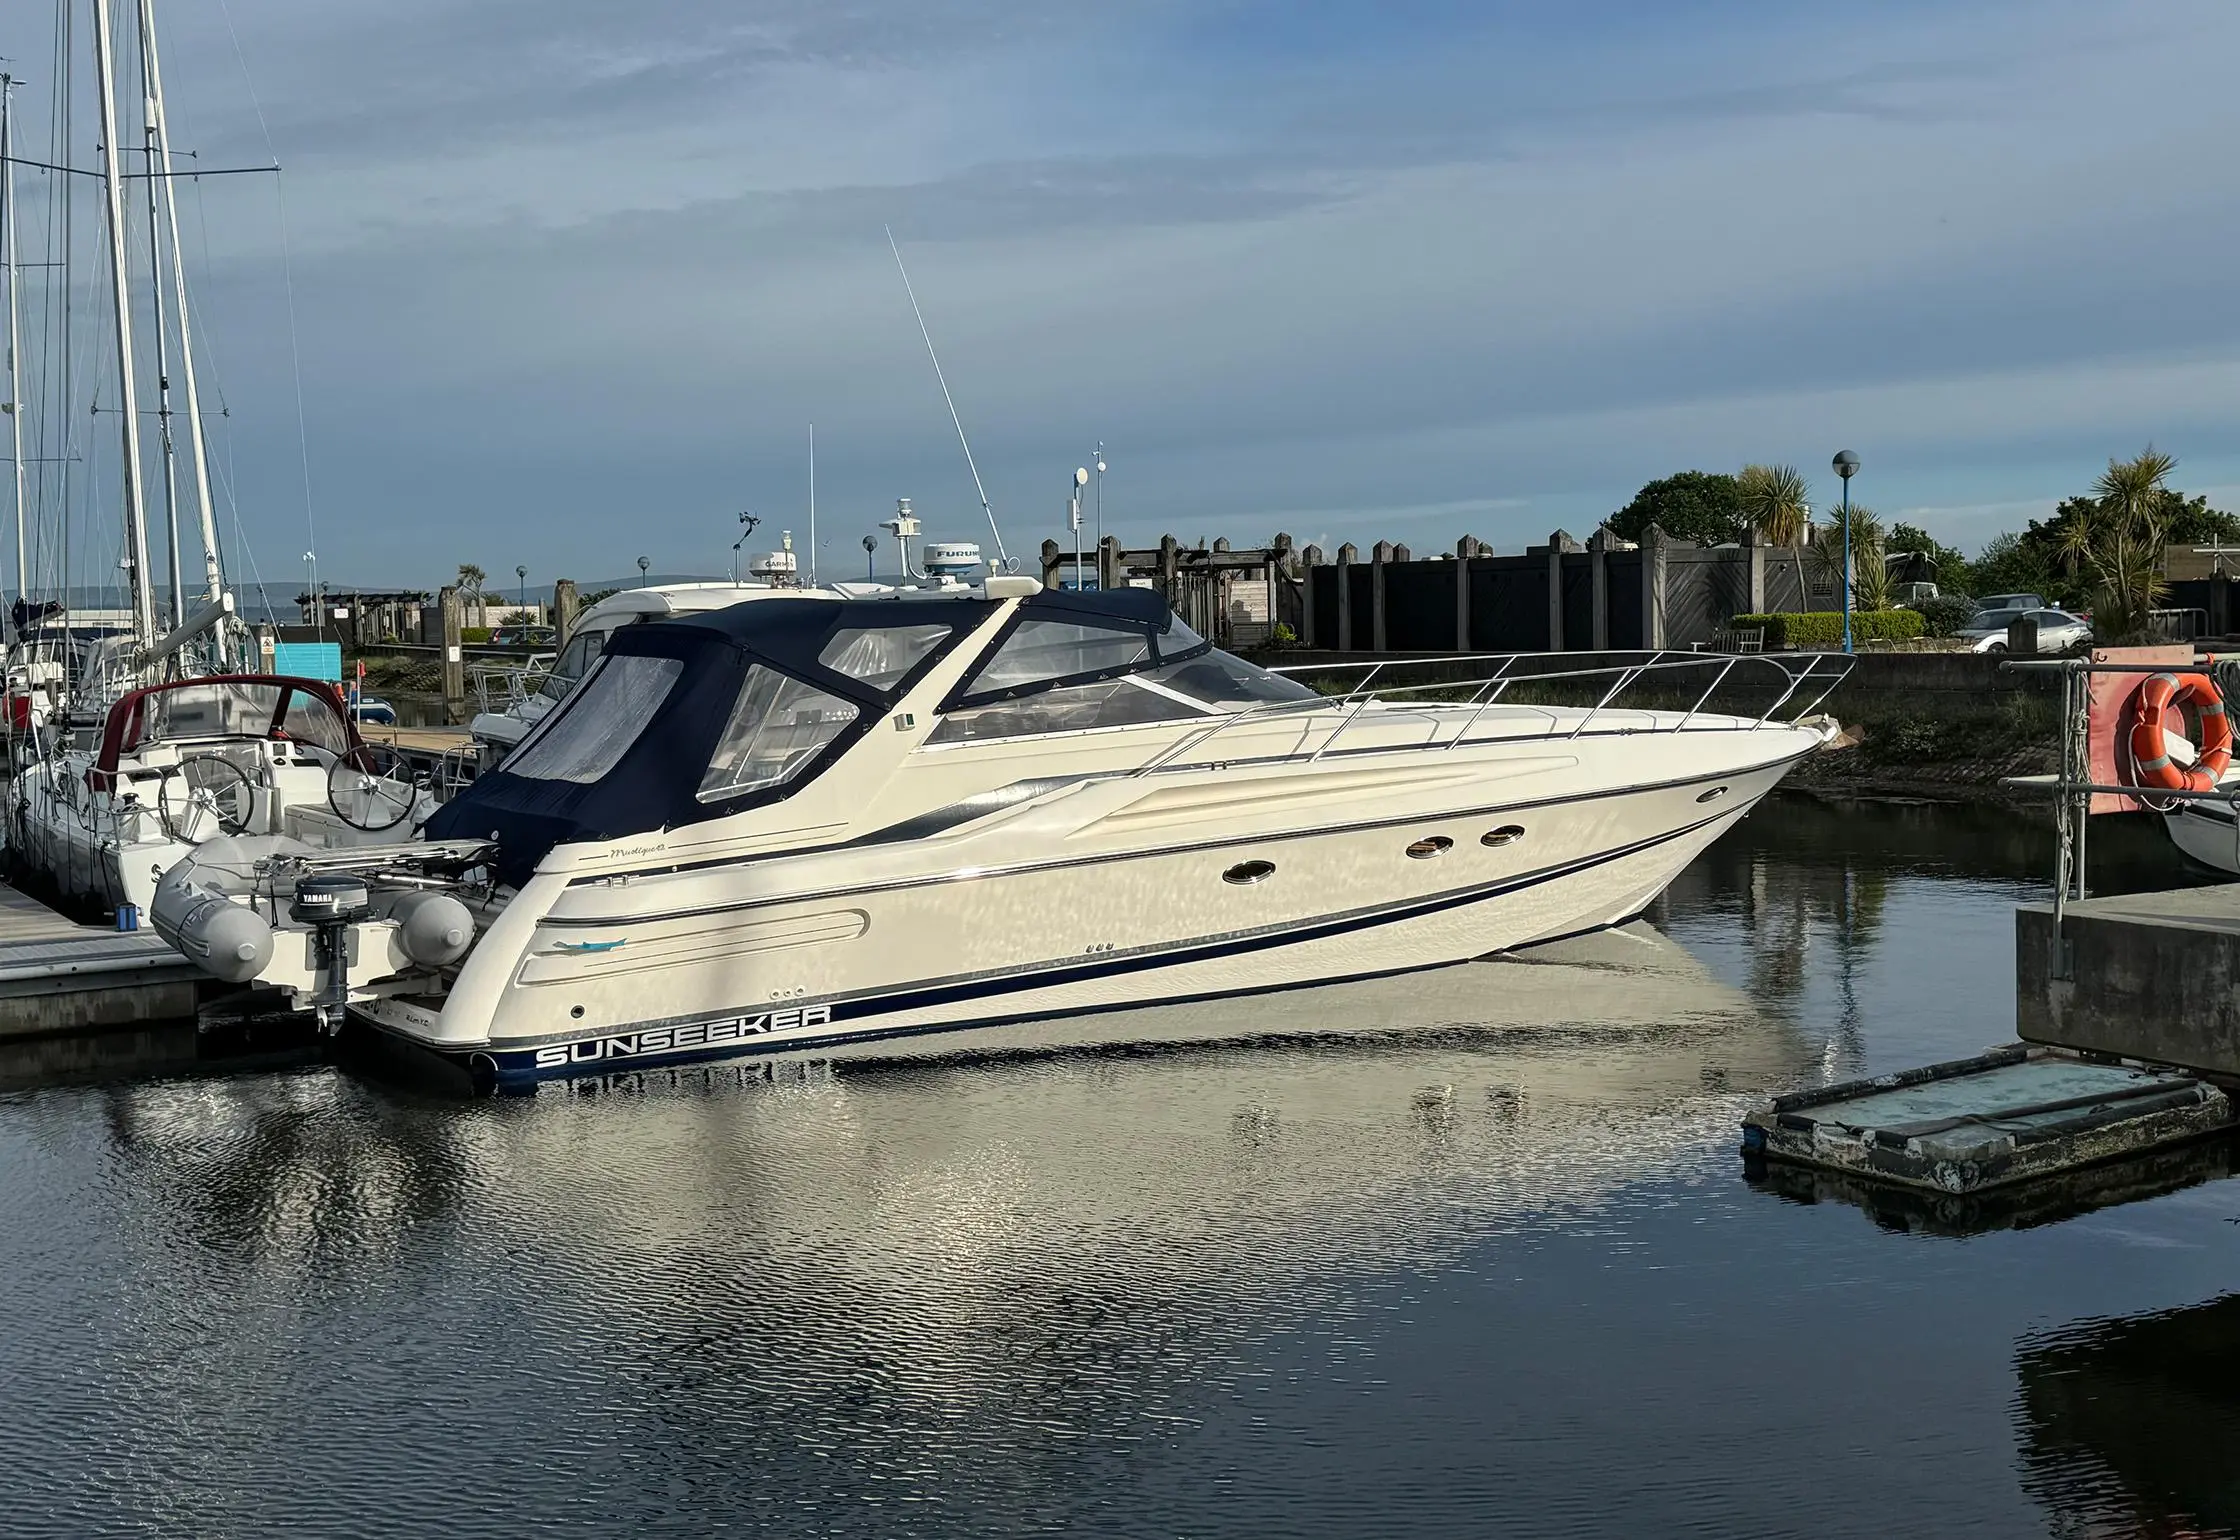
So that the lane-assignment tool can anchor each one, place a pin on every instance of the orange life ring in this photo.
(2150, 754)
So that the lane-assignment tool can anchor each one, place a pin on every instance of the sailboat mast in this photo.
(15, 340)
(128, 398)
(198, 455)
(163, 362)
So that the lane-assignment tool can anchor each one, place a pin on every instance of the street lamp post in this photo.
(1080, 480)
(870, 569)
(521, 592)
(1847, 466)
(643, 563)
(1100, 513)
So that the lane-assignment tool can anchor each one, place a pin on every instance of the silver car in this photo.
(2058, 630)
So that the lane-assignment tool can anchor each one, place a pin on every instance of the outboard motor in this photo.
(330, 903)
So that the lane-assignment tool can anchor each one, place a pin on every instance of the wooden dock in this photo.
(417, 740)
(60, 976)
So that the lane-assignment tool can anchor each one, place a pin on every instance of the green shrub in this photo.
(1283, 636)
(1824, 628)
(1946, 613)
(474, 635)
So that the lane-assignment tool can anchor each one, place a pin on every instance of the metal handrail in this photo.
(1356, 702)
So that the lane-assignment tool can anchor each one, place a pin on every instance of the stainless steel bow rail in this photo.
(1489, 679)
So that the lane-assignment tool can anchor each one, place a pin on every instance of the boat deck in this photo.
(417, 740)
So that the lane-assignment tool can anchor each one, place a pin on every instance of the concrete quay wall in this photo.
(2152, 976)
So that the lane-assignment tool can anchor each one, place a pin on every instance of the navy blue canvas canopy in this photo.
(656, 782)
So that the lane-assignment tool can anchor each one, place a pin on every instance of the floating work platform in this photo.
(2015, 1115)
(2149, 976)
(59, 976)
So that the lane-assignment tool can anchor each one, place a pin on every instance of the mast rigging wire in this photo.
(1001, 555)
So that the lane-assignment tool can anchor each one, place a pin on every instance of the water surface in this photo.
(1486, 1264)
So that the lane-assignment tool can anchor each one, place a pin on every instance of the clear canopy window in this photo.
(1045, 652)
(880, 655)
(777, 726)
(588, 737)
(236, 710)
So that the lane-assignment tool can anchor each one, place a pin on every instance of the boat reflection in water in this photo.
(1068, 1240)
(2131, 1427)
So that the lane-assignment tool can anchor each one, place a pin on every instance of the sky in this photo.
(561, 284)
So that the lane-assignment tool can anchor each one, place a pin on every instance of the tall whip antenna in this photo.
(1001, 555)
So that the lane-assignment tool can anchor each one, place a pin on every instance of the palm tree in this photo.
(1776, 502)
(1871, 588)
(471, 579)
(2123, 542)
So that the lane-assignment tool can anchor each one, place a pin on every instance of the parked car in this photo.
(524, 636)
(2011, 602)
(2058, 630)
(1908, 596)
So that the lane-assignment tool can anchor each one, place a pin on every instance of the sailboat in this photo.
(155, 739)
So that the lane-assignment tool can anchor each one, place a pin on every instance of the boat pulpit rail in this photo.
(1604, 699)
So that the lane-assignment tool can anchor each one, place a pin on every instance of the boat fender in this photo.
(2156, 702)
(433, 929)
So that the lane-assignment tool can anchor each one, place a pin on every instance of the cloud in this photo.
(576, 278)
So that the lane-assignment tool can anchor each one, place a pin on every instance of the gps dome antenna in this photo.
(1001, 555)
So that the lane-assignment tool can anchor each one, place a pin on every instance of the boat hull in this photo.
(1592, 863)
(2206, 833)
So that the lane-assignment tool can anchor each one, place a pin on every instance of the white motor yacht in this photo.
(809, 819)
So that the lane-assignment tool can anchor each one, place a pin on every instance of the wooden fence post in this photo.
(1598, 548)
(1465, 548)
(1347, 556)
(1556, 543)
(1381, 557)
(454, 657)
(1652, 588)
(565, 607)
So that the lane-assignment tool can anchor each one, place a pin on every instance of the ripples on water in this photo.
(1488, 1265)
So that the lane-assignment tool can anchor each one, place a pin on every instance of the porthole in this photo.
(1431, 845)
(576, 1011)
(1713, 795)
(1245, 873)
(1507, 834)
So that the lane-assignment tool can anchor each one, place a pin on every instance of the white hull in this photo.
(917, 938)
(2205, 832)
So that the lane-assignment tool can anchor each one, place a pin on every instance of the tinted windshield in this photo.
(777, 726)
(1207, 683)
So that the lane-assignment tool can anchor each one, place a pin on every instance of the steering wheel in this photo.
(371, 788)
(209, 796)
